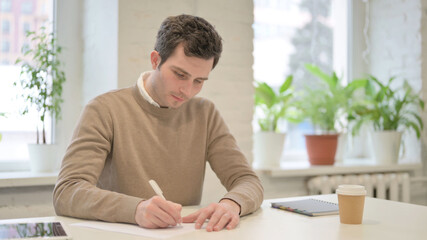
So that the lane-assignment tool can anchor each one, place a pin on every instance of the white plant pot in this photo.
(268, 148)
(386, 146)
(43, 157)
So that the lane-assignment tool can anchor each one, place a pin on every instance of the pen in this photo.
(158, 191)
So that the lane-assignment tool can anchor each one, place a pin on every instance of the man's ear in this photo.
(155, 59)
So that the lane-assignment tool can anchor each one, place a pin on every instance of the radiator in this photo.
(392, 186)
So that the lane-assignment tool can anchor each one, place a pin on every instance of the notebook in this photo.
(310, 207)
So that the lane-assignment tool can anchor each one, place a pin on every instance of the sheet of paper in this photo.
(135, 230)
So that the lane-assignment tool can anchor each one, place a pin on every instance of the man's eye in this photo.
(179, 75)
(198, 81)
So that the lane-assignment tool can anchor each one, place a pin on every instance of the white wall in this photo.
(69, 33)
(100, 50)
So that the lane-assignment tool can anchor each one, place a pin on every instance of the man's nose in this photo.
(186, 87)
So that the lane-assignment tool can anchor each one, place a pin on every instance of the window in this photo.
(17, 130)
(5, 27)
(6, 5)
(5, 46)
(288, 34)
(27, 7)
(25, 47)
(25, 28)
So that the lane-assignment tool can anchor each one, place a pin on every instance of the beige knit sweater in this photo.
(122, 141)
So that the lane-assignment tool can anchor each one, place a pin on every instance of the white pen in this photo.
(158, 191)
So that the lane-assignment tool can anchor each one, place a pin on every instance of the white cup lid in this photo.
(354, 190)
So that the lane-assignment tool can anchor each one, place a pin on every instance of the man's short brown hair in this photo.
(198, 36)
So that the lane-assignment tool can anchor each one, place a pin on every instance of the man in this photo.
(158, 130)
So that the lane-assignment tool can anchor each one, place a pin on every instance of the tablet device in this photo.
(35, 230)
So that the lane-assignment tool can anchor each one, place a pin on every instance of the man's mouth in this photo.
(179, 99)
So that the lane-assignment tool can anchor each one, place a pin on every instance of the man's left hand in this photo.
(224, 214)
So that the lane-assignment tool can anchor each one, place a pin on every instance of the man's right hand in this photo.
(158, 213)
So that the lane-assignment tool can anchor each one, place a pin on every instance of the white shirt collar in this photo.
(142, 89)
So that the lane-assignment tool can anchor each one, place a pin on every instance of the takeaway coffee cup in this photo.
(351, 200)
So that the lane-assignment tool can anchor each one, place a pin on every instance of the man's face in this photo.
(178, 79)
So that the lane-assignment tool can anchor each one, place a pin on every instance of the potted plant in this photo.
(328, 107)
(270, 107)
(40, 83)
(390, 112)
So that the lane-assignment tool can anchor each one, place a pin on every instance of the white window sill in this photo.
(18, 165)
(349, 166)
(27, 179)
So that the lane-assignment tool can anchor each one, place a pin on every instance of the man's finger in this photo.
(172, 209)
(191, 217)
(223, 221)
(204, 214)
(158, 211)
(151, 221)
(233, 223)
(158, 222)
(214, 219)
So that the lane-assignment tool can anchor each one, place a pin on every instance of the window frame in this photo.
(21, 165)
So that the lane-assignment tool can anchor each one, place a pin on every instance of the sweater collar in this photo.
(149, 107)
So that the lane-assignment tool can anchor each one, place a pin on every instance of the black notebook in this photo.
(310, 207)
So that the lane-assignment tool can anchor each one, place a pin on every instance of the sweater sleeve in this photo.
(230, 165)
(75, 193)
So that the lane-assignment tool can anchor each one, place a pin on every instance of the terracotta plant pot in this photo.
(321, 149)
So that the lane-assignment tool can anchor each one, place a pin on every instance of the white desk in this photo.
(382, 220)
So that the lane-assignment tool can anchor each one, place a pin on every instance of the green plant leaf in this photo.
(389, 109)
(414, 127)
(271, 106)
(286, 84)
(421, 104)
(265, 94)
(330, 81)
(417, 118)
(356, 84)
